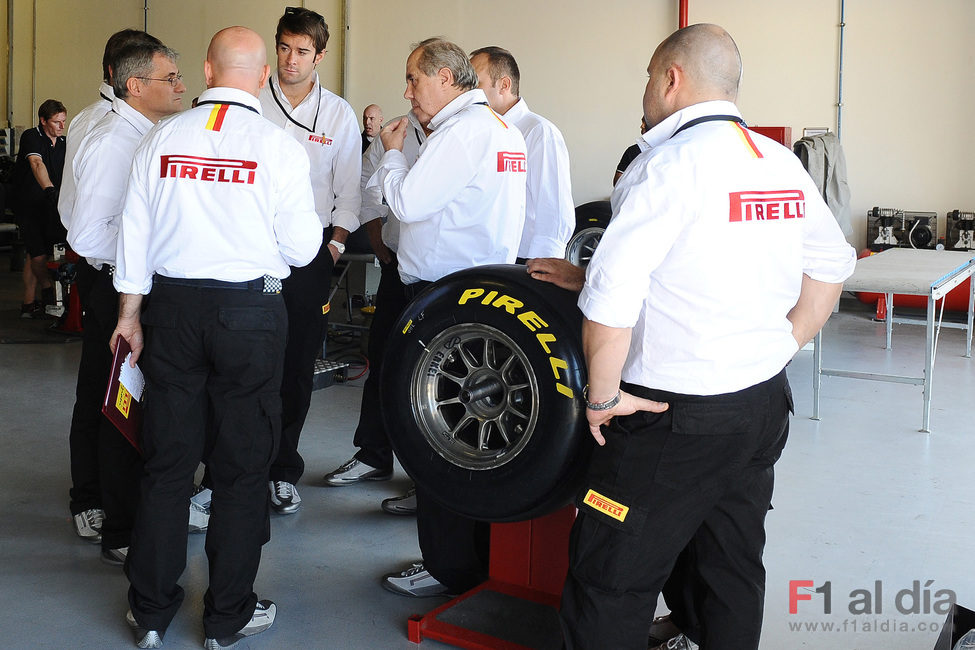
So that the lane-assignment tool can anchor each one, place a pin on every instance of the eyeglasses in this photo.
(298, 11)
(173, 79)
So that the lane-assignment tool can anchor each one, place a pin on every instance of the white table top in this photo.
(906, 270)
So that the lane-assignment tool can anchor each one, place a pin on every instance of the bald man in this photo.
(720, 262)
(372, 122)
(219, 204)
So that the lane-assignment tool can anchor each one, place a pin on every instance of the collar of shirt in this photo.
(415, 123)
(456, 105)
(518, 111)
(224, 94)
(311, 97)
(106, 92)
(666, 129)
(139, 122)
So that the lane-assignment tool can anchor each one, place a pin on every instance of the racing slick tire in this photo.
(591, 221)
(482, 393)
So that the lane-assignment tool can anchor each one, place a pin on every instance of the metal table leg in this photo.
(817, 371)
(889, 319)
(928, 364)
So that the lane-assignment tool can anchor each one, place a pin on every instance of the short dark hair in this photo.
(136, 61)
(49, 108)
(501, 63)
(303, 22)
(119, 41)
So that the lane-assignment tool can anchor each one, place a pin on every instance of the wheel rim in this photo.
(582, 246)
(475, 396)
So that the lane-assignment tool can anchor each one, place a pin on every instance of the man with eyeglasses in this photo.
(147, 87)
(327, 128)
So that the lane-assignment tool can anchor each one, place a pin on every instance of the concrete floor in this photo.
(863, 502)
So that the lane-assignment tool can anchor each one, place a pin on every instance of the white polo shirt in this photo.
(101, 172)
(373, 205)
(216, 192)
(327, 128)
(80, 126)
(462, 203)
(550, 217)
(713, 228)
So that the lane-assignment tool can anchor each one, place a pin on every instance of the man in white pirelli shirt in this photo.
(720, 262)
(326, 127)
(148, 88)
(550, 216)
(461, 204)
(218, 207)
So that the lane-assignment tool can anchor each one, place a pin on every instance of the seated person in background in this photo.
(631, 152)
(40, 161)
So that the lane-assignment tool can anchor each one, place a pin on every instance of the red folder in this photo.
(120, 407)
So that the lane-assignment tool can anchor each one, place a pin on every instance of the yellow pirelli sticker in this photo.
(124, 401)
(326, 308)
(606, 505)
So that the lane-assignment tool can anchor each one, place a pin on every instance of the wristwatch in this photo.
(339, 246)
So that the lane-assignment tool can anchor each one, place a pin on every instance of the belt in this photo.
(266, 284)
(107, 269)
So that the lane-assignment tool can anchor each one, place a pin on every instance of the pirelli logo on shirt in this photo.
(320, 139)
(511, 161)
(768, 205)
(213, 170)
(606, 505)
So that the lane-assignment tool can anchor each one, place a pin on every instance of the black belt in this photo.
(107, 269)
(265, 284)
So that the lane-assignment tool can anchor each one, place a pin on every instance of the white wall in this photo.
(907, 70)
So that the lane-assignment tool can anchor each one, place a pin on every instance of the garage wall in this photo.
(907, 70)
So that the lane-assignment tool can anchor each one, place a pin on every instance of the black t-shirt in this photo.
(35, 141)
(632, 152)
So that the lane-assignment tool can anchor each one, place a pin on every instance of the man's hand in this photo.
(558, 271)
(131, 332)
(393, 134)
(628, 405)
(129, 325)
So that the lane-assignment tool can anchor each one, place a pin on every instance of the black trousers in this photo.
(105, 468)
(455, 549)
(699, 477)
(212, 362)
(305, 294)
(370, 435)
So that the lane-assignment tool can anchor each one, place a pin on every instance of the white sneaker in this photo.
(284, 497)
(662, 629)
(262, 619)
(679, 642)
(354, 471)
(143, 638)
(415, 581)
(115, 556)
(88, 525)
(405, 504)
(200, 510)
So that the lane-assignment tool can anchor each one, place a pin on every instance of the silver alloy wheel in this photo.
(583, 244)
(475, 396)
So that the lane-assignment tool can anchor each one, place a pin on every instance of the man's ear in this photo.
(675, 79)
(207, 73)
(319, 57)
(446, 77)
(505, 83)
(134, 87)
(265, 76)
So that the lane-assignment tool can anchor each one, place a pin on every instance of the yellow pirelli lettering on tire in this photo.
(606, 505)
(531, 320)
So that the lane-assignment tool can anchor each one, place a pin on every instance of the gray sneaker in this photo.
(405, 504)
(679, 642)
(143, 638)
(115, 556)
(88, 525)
(284, 497)
(415, 581)
(354, 471)
(200, 510)
(262, 619)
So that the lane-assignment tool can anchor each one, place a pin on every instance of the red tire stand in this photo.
(528, 564)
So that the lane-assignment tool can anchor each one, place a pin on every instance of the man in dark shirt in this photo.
(39, 164)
